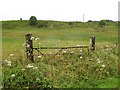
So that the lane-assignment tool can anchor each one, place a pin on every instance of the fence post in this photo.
(92, 43)
(29, 47)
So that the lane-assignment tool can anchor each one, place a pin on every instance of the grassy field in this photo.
(72, 68)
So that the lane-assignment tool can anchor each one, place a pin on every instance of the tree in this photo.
(33, 21)
(102, 23)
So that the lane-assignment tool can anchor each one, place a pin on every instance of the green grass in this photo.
(66, 70)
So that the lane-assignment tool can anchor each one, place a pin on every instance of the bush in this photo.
(42, 24)
(102, 23)
(33, 21)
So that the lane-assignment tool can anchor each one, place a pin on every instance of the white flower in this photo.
(35, 68)
(36, 39)
(32, 38)
(39, 43)
(101, 69)
(107, 46)
(9, 64)
(28, 46)
(6, 60)
(115, 45)
(37, 79)
(71, 51)
(78, 45)
(81, 57)
(91, 59)
(39, 56)
(80, 53)
(29, 66)
(98, 62)
(64, 51)
(80, 50)
(103, 66)
(98, 59)
(11, 55)
(23, 69)
(13, 75)
(29, 54)
(50, 52)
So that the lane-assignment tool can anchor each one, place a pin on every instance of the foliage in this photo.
(102, 23)
(33, 21)
(42, 24)
(69, 69)
(74, 68)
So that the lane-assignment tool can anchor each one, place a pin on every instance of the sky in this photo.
(60, 10)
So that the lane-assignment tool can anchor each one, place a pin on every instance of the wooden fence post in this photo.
(29, 47)
(92, 43)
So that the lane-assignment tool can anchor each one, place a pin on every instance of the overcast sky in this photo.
(61, 10)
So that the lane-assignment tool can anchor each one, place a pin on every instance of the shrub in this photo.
(33, 21)
(102, 23)
(42, 24)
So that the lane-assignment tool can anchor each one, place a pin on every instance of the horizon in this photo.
(61, 10)
(59, 20)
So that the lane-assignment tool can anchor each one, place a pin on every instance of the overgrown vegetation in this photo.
(72, 68)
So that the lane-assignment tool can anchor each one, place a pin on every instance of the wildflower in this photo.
(29, 54)
(13, 75)
(32, 38)
(103, 66)
(29, 66)
(9, 64)
(78, 45)
(36, 39)
(23, 69)
(80, 50)
(35, 68)
(108, 49)
(80, 53)
(98, 59)
(64, 51)
(71, 51)
(107, 46)
(91, 59)
(11, 55)
(55, 50)
(101, 69)
(28, 46)
(39, 43)
(50, 52)
(98, 62)
(81, 57)
(6, 60)
(115, 45)
(39, 56)
(37, 79)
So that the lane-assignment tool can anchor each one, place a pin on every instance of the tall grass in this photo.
(72, 68)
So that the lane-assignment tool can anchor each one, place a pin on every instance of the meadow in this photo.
(71, 68)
